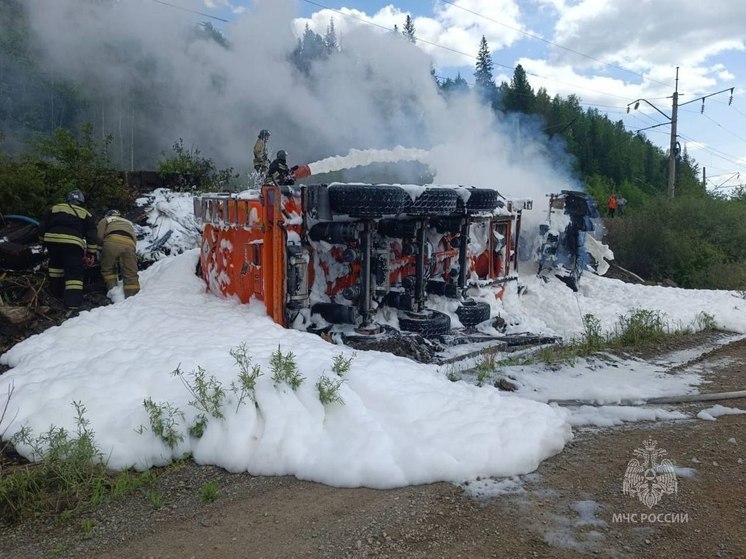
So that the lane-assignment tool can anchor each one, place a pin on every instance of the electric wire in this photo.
(374, 24)
(723, 127)
(542, 39)
(717, 153)
(467, 55)
(190, 10)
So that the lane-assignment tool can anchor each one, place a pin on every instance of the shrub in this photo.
(31, 183)
(641, 327)
(696, 241)
(190, 170)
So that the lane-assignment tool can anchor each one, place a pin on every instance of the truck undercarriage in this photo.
(362, 263)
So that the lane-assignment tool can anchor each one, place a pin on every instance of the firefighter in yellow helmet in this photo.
(69, 234)
(119, 241)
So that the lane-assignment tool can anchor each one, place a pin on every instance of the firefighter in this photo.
(278, 172)
(261, 160)
(69, 234)
(118, 241)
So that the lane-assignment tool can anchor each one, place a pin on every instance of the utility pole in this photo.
(674, 146)
(672, 153)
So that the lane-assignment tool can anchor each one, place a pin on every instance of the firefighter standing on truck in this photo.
(69, 234)
(261, 159)
(118, 241)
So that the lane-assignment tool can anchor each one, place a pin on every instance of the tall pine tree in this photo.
(484, 83)
(330, 39)
(519, 95)
(409, 29)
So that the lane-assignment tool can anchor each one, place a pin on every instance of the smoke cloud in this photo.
(152, 79)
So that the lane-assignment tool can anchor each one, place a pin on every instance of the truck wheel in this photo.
(367, 200)
(471, 312)
(480, 200)
(432, 201)
(428, 324)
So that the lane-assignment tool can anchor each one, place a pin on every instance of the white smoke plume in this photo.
(151, 80)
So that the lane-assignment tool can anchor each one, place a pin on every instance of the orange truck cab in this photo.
(327, 254)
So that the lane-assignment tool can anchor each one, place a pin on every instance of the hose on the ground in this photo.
(682, 399)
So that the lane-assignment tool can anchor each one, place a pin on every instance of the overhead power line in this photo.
(548, 42)
(467, 55)
(675, 147)
(190, 10)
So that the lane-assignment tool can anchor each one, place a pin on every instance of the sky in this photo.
(398, 422)
(608, 52)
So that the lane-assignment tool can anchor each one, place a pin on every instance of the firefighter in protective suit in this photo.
(118, 241)
(261, 160)
(69, 233)
(279, 173)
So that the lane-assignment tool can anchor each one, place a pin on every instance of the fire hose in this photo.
(681, 399)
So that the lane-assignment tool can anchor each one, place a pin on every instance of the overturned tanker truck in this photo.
(354, 259)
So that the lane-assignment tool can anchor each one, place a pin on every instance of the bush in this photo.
(695, 241)
(31, 183)
(189, 170)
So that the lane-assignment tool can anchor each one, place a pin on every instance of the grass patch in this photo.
(155, 498)
(637, 330)
(86, 527)
(68, 475)
(209, 492)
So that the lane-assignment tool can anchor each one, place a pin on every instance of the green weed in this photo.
(69, 472)
(329, 390)
(209, 492)
(86, 526)
(640, 327)
(284, 369)
(341, 365)
(164, 421)
(155, 498)
(207, 391)
(247, 376)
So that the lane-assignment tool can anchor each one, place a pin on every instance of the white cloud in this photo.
(651, 37)
(451, 35)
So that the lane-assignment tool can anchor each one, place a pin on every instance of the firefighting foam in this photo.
(358, 158)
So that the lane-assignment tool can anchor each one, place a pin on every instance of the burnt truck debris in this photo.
(333, 257)
(562, 246)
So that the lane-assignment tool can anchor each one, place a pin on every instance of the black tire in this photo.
(428, 324)
(471, 313)
(367, 200)
(432, 201)
(480, 200)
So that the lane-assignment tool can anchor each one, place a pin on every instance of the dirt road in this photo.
(572, 506)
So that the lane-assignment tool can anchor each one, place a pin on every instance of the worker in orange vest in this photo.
(612, 205)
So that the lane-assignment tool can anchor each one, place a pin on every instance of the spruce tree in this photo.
(483, 80)
(409, 29)
(330, 39)
(520, 95)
